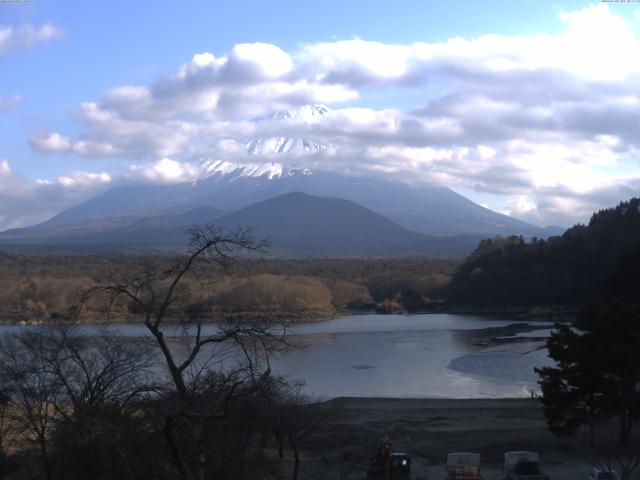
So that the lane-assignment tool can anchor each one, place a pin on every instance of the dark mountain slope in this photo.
(109, 234)
(297, 225)
(426, 208)
(303, 224)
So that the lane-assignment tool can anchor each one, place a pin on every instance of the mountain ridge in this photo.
(298, 225)
(428, 208)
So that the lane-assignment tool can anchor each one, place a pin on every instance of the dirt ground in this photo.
(427, 429)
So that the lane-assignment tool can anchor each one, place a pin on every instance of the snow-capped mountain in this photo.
(279, 165)
(283, 144)
(271, 156)
(269, 170)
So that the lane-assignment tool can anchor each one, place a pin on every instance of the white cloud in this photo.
(596, 44)
(5, 168)
(167, 170)
(95, 149)
(7, 103)
(52, 142)
(83, 179)
(258, 60)
(547, 121)
(24, 202)
(27, 36)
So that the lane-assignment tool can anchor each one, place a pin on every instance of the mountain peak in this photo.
(284, 144)
(305, 112)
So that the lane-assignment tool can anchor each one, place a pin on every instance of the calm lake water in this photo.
(426, 355)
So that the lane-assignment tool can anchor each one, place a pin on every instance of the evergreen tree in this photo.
(597, 371)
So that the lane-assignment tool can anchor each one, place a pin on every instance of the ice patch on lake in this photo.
(507, 366)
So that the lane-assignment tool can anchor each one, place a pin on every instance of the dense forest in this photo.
(586, 264)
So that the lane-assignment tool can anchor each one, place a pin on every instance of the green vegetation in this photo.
(597, 372)
(596, 380)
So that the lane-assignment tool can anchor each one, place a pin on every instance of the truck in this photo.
(461, 465)
(523, 465)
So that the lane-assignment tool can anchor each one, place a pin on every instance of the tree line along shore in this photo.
(509, 275)
(42, 288)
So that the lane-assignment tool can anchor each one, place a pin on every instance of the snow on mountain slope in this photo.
(283, 144)
(271, 156)
(270, 170)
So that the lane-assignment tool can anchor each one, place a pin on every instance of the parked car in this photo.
(461, 465)
(523, 465)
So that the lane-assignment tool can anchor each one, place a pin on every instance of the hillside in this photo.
(426, 208)
(297, 225)
(301, 224)
(572, 269)
(108, 233)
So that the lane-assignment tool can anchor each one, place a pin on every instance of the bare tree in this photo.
(96, 371)
(34, 391)
(293, 417)
(198, 392)
(6, 433)
(59, 382)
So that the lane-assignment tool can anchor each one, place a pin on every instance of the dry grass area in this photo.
(41, 288)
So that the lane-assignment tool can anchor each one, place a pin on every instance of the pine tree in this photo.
(597, 372)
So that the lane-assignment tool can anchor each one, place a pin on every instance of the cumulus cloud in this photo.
(27, 36)
(50, 143)
(54, 142)
(548, 122)
(167, 170)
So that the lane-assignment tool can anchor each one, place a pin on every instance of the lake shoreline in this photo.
(531, 314)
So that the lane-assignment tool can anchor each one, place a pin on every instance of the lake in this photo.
(427, 355)
(419, 356)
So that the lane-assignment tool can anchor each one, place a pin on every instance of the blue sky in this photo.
(94, 47)
(122, 42)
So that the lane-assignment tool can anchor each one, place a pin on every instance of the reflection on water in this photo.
(422, 355)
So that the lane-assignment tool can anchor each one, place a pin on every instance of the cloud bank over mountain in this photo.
(546, 123)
